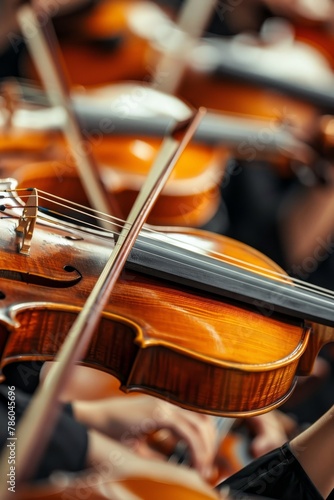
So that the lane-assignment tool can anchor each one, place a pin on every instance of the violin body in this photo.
(201, 85)
(246, 98)
(43, 159)
(191, 196)
(102, 39)
(157, 337)
(205, 83)
(124, 148)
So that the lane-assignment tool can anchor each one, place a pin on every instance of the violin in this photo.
(255, 79)
(242, 335)
(124, 138)
(192, 203)
(269, 76)
(35, 278)
(101, 38)
(39, 154)
(311, 24)
(6, 276)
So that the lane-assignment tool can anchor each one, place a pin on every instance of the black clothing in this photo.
(276, 475)
(67, 447)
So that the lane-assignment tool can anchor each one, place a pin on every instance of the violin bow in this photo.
(43, 47)
(191, 22)
(45, 405)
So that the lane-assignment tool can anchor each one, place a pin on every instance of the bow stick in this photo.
(45, 406)
(42, 45)
(192, 20)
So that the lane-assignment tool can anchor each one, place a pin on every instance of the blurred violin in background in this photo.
(268, 75)
(123, 126)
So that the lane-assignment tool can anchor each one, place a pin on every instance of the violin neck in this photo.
(315, 93)
(264, 295)
(216, 129)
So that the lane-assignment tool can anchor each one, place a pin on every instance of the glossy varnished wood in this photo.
(164, 339)
(190, 198)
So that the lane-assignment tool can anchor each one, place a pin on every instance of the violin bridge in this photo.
(27, 222)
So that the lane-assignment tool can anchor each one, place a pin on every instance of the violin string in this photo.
(76, 220)
(120, 224)
(322, 293)
(62, 222)
(219, 256)
(228, 259)
(103, 217)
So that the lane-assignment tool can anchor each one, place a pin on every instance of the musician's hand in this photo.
(112, 462)
(131, 419)
(270, 431)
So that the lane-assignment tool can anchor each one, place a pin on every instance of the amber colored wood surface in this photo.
(155, 337)
(100, 46)
(318, 36)
(248, 99)
(191, 196)
(135, 58)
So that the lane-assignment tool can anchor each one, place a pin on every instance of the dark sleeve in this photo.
(276, 475)
(67, 447)
(24, 375)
